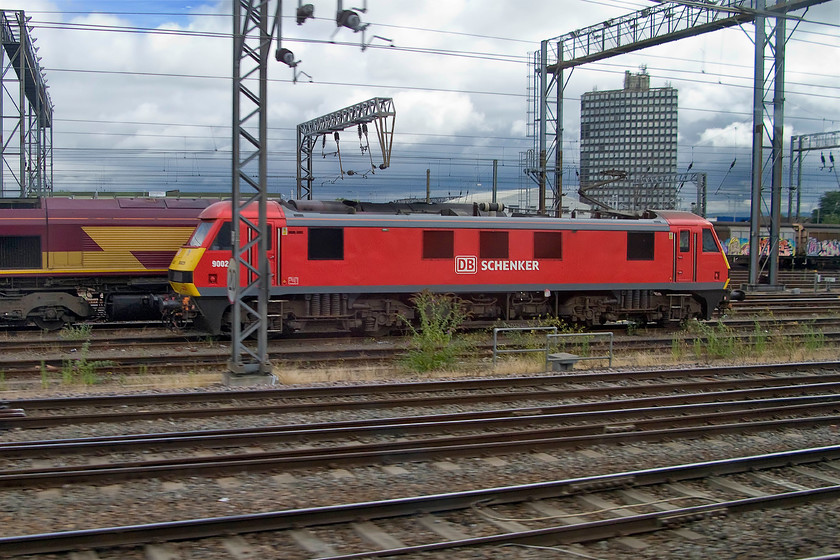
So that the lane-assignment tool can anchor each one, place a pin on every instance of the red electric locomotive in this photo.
(346, 266)
(66, 259)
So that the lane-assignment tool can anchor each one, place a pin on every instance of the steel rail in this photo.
(776, 386)
(311, 517)
(615, 527)
(611, 411)
(423, 450)
(485, 383)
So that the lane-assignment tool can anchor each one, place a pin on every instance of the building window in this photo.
(438, 244)
(326, 244)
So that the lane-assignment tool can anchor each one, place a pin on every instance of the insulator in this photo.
(304, 12)
(348, 19)
(286, 56)
(360, 132)
(335, 135)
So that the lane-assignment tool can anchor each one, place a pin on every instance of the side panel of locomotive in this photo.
(410, 253)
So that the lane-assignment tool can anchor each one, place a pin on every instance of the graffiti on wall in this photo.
(826, 248)
(741, 246)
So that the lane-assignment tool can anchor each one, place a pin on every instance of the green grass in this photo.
(434, 345)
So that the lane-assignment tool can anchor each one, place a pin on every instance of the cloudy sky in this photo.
(142, 94)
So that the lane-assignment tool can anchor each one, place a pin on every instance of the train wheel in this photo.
(48, 325)
(50, 318)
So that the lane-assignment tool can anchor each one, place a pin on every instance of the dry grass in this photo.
(293, 374)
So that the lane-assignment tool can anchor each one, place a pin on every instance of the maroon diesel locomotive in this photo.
(65, 259)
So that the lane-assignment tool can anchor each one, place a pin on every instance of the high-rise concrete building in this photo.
(632, 130)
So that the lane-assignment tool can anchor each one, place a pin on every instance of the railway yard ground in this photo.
(716, 441)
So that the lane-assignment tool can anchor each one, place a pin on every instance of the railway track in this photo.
(501, 432)
(558, 512)
(539, 390)
(618, 506)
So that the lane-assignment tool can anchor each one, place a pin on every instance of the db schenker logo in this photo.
(466, 265)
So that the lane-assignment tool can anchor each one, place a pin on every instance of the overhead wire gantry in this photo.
(648, 27)
(799, 146)
(378, 110)
(26, 131)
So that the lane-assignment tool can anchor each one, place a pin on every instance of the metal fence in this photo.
(609, 356)
(822, 280)
(497, 351)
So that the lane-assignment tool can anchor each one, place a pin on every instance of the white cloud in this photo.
(737, 134)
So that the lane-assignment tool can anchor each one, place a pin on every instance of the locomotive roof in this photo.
(107, 207)
(335, 216)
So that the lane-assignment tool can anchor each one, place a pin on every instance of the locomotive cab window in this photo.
(685, 241)
(438, 244)
(493, 244)
(326, 244)
(200, 234)
(222, 242)
(640, 245)
(548, 245)
(709, 243)
(268, 239)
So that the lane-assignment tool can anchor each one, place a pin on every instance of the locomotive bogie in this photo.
(359, 272)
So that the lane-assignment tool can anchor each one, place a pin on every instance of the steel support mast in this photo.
(249, 277)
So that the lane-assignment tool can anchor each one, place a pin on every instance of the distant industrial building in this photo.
(633, 130)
